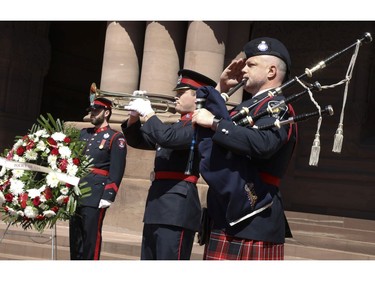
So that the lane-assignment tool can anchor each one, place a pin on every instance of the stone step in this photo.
(316, 237)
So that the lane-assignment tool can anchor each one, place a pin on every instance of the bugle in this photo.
(160, 103)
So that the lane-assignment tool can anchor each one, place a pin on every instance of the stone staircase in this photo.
(315, 237)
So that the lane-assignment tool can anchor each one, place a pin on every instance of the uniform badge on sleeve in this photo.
(121, 142)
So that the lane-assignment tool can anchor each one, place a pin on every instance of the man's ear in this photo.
(272, 71)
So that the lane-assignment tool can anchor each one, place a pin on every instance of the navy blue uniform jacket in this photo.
(108, 149)
(242, 166)
(169, 202)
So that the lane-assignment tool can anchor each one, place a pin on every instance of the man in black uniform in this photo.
(107, 148)
(243, 165)
(173, 209)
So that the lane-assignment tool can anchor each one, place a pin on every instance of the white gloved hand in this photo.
(104, 203)
(131, 107)
(142, 106)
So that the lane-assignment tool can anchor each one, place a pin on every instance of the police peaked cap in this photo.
(189, 79)
(268, 46)
(100, 103)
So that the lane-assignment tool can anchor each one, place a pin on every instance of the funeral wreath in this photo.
(40, 175)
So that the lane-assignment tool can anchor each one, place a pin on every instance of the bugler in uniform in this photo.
(173, 210)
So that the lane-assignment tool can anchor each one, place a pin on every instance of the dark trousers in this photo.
(166, 242)
(85, 233)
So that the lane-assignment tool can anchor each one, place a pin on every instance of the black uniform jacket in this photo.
(169, 201)
(243, 167)
(107, 148)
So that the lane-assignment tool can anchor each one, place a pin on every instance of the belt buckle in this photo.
(152, 176)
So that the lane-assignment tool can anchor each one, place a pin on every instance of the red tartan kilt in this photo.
(225, 247)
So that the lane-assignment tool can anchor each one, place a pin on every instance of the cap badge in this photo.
(263, 46)
(179, 79)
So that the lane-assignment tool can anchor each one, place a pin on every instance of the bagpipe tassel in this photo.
(315, 151)
(339, 137)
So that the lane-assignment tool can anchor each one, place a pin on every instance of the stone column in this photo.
(162, 54)
(122, 56)
(121, 62)
(205, 47)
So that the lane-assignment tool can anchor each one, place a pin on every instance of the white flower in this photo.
(33, 192)
(52, 179)
(18, 144)
(49, 213)
(31, 155)
(72, 169)
(65, 152)
(16, 186)
(11, 211)
(41, 145)
(61, 199)
(52, 161)
(64, 190)
(20, 213)
(2, 198)
(58, 136)
(17, 173)
(41, 133)
(31, 212)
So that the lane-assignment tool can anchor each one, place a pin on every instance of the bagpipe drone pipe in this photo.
(234, 178)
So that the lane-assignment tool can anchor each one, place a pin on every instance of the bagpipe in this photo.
(227, 173)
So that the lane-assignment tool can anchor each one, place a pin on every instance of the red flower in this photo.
(76, 161)
(66, 199)
(63, 165)
(20, 151)
(36, 201)
(54, 151)
(67, 140)
(48, 193)
(52, 142)
(30, 145)
(55, 209)
(8, 197)
(39, 217)
(23, 200)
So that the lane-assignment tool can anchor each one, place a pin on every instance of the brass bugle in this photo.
(328, 110)
(160, 103)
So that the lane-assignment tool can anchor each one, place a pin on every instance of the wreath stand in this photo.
(51, 238)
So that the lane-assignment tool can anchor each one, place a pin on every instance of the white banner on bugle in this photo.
(33, 167)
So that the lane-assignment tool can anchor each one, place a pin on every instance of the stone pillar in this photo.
(205, 47)
(122, 56)
(24, 62)
(121, 62)
(164, 42)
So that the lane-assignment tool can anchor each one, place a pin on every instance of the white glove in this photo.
(142, 106)
(104, 203)
(131, 106)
